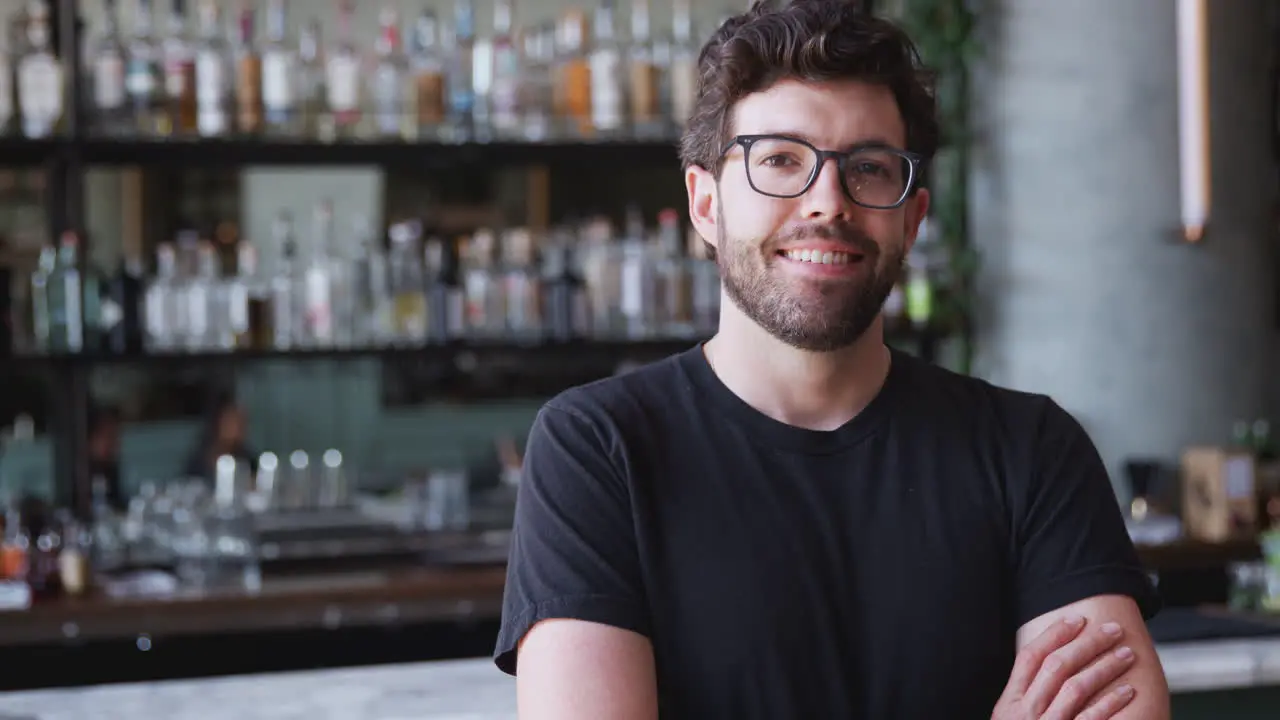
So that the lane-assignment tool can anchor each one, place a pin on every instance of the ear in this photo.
(917, 208)
(704, 202)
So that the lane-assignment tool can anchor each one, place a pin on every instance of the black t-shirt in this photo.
(879, 570)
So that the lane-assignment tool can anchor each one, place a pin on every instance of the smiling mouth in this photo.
(821, 257)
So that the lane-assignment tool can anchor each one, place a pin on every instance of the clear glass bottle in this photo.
(313, 100)
(427, 68)
(684, 66)
(214, 97)
(645, 83)
(40, 78)
(162, 316)
(66, 298)
(179, 72)
(40, 320)
(343, 77)
(144, 76)
(537, 84)
(390, 119)
(318, 282)
(248, 87)
(107, 101)
(608, 89)
(7, 88)
(461, 81)
(408, 284)
(504, 89)
(285, 311)
(279, 74)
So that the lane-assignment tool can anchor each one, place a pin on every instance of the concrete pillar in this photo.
(1150, 343)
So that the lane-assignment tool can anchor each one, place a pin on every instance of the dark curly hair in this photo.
(813, 40)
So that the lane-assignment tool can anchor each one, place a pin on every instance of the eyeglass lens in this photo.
(874, 177)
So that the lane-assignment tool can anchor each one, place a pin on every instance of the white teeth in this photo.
(818, 257)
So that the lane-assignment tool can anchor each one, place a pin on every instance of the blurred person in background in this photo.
(225, 432)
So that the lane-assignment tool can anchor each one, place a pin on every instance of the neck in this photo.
(811, 390)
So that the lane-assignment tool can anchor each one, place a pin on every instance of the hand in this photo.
(1059, 675)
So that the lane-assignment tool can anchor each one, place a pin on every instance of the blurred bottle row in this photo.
(341, 286)
(578, 77)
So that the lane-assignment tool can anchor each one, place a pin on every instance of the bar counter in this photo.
(475, 690)
(376, 597)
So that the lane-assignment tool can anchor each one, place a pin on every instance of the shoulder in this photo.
(629, 400)
(1003, 414)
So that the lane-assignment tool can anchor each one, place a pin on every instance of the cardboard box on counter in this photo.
(1219, 493)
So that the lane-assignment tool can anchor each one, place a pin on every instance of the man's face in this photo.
(765, 245)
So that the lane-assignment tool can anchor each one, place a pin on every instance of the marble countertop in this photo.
(472, 690)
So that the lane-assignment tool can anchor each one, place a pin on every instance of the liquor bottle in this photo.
(461, 81)
(122, 310)
(286, 326)
(108, 104)
(279, 74)
(179, 72)
(390, 119)
(568, 317)
(144, 76)
(504, 88)
(343, 78)
(248, 76)
(40, 318)
(684, 66)
(608, 98)
(313, 100)
(163, 308)
(40, 77)
(574, 81)
(447, 321)
(427, 69)
(213, 76)
(537, 90)
(66, 325)
(646, 115)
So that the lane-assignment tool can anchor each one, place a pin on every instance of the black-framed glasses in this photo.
(875, 176)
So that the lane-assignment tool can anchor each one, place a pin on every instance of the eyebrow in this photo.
(872, 141)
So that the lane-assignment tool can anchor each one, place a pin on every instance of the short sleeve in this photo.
(573, 550)
(1072, 540)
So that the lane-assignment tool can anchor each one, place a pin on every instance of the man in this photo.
(791, 520)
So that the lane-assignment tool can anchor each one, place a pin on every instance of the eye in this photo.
(868, 168)
(778, 160)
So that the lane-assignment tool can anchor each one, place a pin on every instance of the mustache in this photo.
(841, 232)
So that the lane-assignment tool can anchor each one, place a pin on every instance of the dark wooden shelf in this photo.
(22, 152)
(410, 155)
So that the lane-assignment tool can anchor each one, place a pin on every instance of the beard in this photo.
(820, 316)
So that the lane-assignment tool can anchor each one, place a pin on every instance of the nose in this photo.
(826, 198)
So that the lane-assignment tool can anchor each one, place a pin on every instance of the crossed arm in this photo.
(570, 669)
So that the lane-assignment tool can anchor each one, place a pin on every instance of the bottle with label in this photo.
(408, 283)
(568, 316)
(390, 119)
(248, 76)
(40, 77)
(122, 309)
(684, 66)
(179, 72)
(646, 107)
(40, 320)
(537, 93)
(213, 74)
(608, 89)
(371, 301)
(279, 74)
(286, 314)
(427, 70)
(574, 76)
(444, 292)
(160, 302)
(461, 80)
(504, 90)
(66, 298)
(313, 99)
(110, 111)
(521, 285)
(144, 76)
(343, 78)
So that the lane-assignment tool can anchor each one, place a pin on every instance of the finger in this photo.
(1033, 654)
(1068, 660)
(1080, 689)
(1109, 704)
